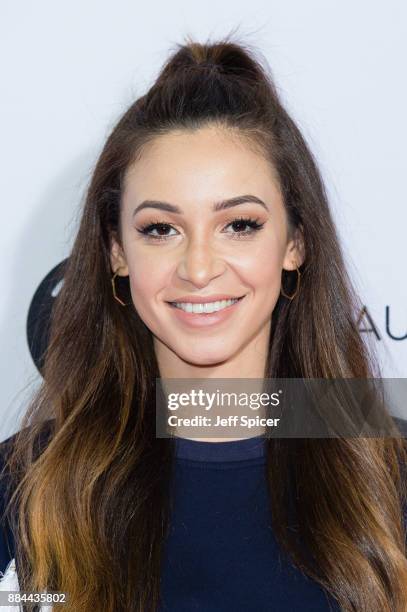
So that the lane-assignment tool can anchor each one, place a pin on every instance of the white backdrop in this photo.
(69, 69)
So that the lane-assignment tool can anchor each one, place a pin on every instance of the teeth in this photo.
(207, 307)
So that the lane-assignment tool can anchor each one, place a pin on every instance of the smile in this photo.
(205, 315)
(205, 307)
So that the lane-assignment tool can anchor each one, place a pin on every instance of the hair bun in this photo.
(225, 57)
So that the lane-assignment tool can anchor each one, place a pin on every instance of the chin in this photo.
(210, 358)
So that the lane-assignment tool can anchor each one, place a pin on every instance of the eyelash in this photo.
(252, 223)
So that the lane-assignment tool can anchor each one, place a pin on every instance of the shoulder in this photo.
(42, 437)
(44, 432)
(7, 482)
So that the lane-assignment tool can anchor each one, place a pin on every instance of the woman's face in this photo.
(201, 252)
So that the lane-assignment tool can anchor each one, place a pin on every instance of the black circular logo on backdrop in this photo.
(39, 313)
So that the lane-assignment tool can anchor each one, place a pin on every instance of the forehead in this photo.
(210, 163)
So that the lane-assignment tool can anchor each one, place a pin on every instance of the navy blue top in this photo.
(221, 553)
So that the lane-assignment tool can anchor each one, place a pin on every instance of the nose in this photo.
(199, 264)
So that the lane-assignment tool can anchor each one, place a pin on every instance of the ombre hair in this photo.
(92, 509)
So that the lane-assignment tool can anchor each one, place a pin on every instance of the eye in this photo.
(159, 226)
(162, 228)
(240, 222)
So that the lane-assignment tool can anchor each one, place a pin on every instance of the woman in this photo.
(205, 190)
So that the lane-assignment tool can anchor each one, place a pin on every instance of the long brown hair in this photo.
(93, 507)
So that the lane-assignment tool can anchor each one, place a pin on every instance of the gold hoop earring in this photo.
(290, 297)
(116, 297)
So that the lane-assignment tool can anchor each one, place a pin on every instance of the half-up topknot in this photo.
(223, 79)
(226, 56)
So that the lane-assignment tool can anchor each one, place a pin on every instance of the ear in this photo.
(117, 257)
(295, 251)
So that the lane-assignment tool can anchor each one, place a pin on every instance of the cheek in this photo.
(147, 277)
(142, 283)
(261, 269)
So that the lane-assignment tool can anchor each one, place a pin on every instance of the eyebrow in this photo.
(217, 206)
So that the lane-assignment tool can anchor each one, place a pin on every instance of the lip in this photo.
(204, 299)
(196, 319)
